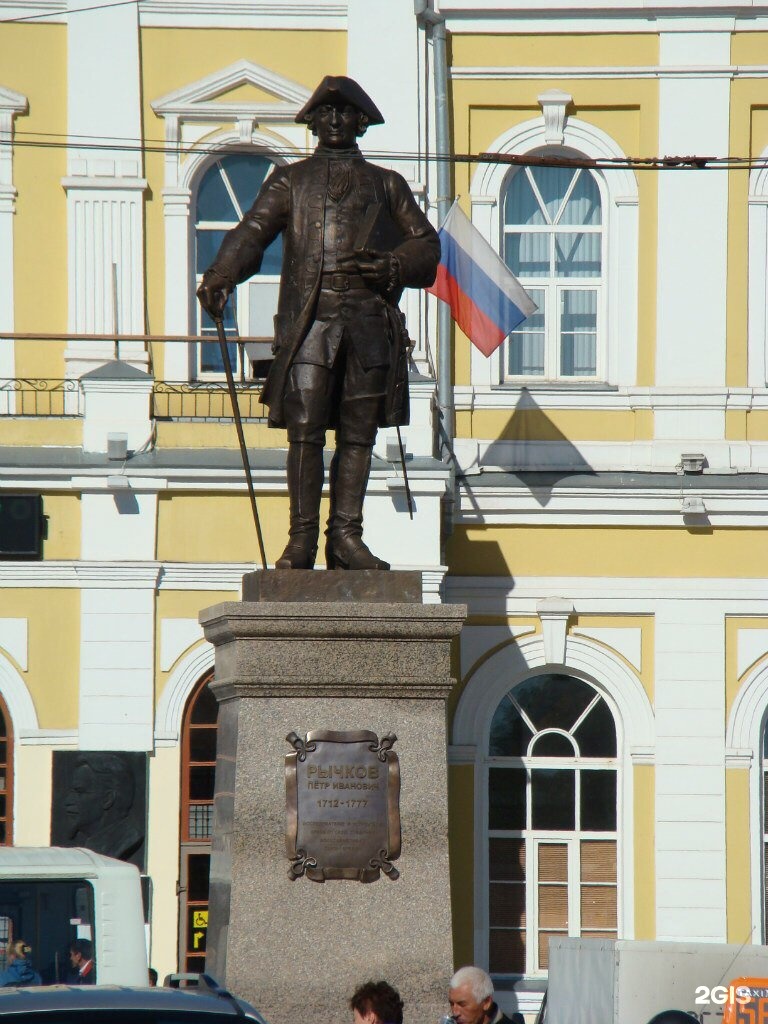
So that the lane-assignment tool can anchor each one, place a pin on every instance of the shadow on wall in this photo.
(537, 466)
(521, 455)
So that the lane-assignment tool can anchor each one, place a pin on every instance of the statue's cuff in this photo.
(223, 272)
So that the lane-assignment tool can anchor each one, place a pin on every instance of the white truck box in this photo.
(599, 981)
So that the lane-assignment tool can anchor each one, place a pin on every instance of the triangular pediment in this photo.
(241, 88)
(14, 101)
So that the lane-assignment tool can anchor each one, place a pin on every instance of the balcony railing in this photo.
(40, 396)
(206, 400)
(175, 401)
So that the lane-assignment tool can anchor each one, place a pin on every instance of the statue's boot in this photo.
(344, 548)
(305, 485)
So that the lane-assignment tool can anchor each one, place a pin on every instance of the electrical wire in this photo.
(649, 163)
(66, 13)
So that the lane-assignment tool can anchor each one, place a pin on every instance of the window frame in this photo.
(555, 287)
(8, 817)
(617, 359)
(534, 837)
(242, 366)
(189, 845)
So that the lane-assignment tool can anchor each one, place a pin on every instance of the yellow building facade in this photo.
(601, 509)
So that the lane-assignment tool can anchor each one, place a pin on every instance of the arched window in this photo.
(553, 241)
(226, 192)
(198, 765)
(6, 777)
(764, 808)
(582, 269)
(552, 821)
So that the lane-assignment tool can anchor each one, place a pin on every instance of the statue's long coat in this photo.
(292, 200)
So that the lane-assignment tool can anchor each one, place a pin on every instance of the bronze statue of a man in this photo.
(340, 344)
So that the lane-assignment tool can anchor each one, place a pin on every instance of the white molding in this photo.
(76, 575)
(18, 699)
(14, 639)
(743, 737)
(233, 14)
(596, 397)
(625, 640)
(11, 105)
(176, 635)
(518, 504)
(633, 714)
(187, 159)
(554, 104)
(751, 647)
(49, 738)
(525, 657)
(619, 194)
(603, 595)
(554, 613)
(180, 684)
(610, 72)
(757, 295)
(196, 101)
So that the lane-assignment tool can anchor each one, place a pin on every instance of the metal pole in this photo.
(240, 435)
(444, 200)
(408, 497)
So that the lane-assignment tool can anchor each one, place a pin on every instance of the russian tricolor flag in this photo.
(486, 299)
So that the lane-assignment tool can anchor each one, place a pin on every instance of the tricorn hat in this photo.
(340, 89)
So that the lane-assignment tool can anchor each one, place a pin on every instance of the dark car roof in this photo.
(84, 1000)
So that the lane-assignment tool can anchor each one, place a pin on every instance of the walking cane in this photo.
(240, 436)
(408, 497)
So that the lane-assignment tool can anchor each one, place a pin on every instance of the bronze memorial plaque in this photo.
(342, 795)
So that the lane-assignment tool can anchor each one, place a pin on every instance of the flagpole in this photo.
(436, 23)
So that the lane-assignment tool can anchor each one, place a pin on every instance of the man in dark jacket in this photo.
(339, 338)
(470, 994)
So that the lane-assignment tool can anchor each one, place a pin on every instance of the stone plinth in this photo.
(299, 948)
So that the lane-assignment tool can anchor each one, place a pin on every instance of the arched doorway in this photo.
(198, 765)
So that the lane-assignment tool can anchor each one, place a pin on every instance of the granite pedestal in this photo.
(345, 651)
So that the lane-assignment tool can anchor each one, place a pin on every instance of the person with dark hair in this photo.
(19, 972)
(376, 1002)
(83, 968)
(674, 1017)
(152, 977)
(98, 805)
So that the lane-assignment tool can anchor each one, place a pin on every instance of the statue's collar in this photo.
(337, 154)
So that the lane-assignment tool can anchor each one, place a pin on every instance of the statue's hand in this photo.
(380, 269)
(214, 291)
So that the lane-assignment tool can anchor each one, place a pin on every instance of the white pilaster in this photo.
(117, 624)
(693, 218)
(690, 773)
(11, 104)
(178, 320)
(104, 185)
(116, 399)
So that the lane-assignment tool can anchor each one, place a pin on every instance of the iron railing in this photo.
(206, 400)
(40, 396)
(171, 400)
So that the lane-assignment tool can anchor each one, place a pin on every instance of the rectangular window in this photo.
(553, 241)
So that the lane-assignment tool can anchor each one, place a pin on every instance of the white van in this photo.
(50, 896)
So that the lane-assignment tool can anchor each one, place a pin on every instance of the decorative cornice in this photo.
(197, 101)
(554, 104)
(566, 72)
